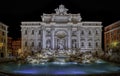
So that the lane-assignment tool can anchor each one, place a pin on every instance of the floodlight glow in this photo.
(114, 44)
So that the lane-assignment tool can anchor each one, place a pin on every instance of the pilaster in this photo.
(44, 38)
(78, 37)
(93, 32)
(53, 37)
(86, 38)
(69, 37)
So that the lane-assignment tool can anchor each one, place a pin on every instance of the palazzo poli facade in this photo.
(3, 40)
(61, 31)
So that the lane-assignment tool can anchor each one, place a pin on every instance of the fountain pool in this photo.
(53, 68)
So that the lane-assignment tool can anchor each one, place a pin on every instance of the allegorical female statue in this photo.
(61, 45)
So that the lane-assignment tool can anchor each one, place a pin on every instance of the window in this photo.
(25, 43)
(82, 32)
(48, 32)
(82, 44)
(4, 40)
(118, 34)
(32, 44)
(89, 44)
(3, 33)
(25, 32)
(96, 32)
(3, 48)
(39, 32)
(1, 55)
(118, 31)
(32, 32)
(1, 40)
(96, 44)
(89, 32)
(112, 37)
(39, 44)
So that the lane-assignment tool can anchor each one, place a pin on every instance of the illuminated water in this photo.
(55, 68)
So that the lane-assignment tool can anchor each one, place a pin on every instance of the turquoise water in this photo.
(55, 68)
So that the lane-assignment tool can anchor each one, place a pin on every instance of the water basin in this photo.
(56, 68)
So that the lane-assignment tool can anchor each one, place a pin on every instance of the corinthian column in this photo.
(53, 38)
(78, 37)
(36, 37)
(69, 37)
(44, 38)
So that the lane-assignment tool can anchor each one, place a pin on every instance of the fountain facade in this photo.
(60, 35)
(61, 31)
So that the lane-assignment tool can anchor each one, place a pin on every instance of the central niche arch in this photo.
(61, 39)
(61, 34)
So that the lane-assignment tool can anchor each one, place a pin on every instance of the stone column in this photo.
(69, 37)
(36, 37)
(53, 38)
(55, 43)
(22, 38)
(22, 41)
(29, 38)
(6, 33)
(86, 38)
(78, 37)
(100, 35)
(66, 42)
(44, 38)
(93, 40)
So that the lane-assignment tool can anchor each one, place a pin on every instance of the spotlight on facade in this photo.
(1, 44)
(115, 44)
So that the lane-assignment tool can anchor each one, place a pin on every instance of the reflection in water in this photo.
(58, 69)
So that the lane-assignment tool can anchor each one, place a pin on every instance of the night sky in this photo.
(12, 12)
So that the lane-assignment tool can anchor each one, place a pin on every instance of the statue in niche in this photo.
(74, 44)
(61, 44)
(48, 44)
